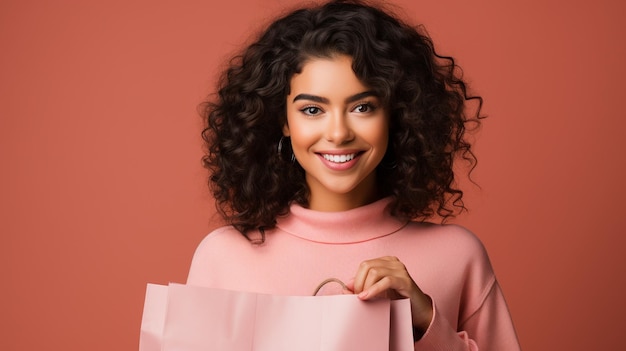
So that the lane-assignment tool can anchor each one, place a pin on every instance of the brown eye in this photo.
(363, 108)
(311, 111)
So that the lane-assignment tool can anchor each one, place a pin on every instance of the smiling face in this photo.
(339, 132)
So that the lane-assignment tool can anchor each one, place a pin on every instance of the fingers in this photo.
(350, 286)
(380, 288)
(388, 277)
(385, 276)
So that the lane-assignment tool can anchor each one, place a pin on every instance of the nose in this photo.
(338, 129)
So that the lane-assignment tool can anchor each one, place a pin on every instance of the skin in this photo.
(330, 112)
(333, 117)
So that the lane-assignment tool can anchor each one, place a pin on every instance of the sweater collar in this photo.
(356, 225)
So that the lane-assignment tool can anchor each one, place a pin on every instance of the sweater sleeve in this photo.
(488, 328)
(441, 336)
(202, 271)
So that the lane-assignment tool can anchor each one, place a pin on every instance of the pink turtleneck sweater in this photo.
(446, 261)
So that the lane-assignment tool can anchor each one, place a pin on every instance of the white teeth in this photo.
(339, 158)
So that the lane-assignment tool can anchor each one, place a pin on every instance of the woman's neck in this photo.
(327, 201)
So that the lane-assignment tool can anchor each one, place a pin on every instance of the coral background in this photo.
(102, 190)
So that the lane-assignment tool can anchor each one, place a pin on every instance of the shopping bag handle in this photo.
(329, 280)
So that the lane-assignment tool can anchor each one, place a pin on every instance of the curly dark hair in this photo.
(423, 91)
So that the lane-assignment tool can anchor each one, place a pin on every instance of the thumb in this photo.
(349, 287)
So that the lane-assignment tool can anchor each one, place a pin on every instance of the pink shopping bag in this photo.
(190, 318)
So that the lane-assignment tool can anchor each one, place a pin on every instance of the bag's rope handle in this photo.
(329, 280)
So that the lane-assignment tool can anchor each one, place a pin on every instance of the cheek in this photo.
(302, 134)
(301, 138)
(376, 134)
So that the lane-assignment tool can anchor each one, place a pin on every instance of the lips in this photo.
(340, 160)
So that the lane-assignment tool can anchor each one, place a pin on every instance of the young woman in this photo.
(331, 142)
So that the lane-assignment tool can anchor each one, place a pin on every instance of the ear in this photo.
(286, 130)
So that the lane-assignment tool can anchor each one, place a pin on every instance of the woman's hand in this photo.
(388, 277)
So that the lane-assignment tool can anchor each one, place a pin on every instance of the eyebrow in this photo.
(324, 100)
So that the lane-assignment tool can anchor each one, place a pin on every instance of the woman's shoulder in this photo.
(453, 235)
(220, 238)
(221, 247)
(455, 252)
(449, 243)
(221, 233)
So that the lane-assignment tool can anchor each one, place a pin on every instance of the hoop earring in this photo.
(280, 150)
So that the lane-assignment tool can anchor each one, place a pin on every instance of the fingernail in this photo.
(363, 294)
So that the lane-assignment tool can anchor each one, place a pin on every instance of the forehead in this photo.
(327, 77)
